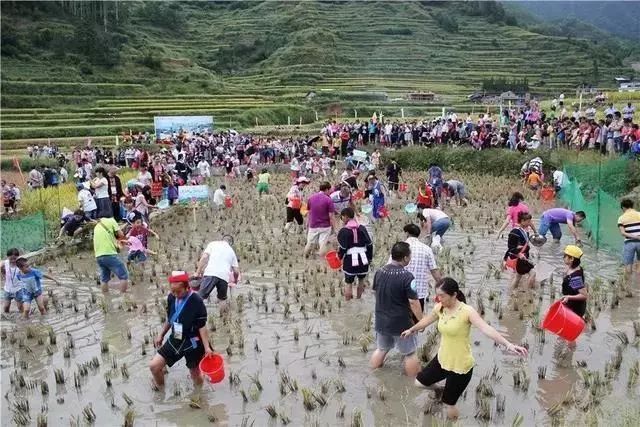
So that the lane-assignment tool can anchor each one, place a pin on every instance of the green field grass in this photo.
(354, 55)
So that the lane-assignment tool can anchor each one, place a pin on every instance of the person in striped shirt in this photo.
(629, 226)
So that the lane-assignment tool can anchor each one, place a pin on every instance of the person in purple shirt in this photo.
(552, 218)
(320, 225)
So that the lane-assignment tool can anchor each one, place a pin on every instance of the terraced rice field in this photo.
(360, 57)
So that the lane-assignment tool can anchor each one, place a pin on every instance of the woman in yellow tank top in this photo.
(454, 361)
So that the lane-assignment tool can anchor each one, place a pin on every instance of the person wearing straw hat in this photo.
(574, 289)
(189, 338)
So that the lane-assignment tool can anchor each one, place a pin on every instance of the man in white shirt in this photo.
(219, 196)
(590, 113)
(610, 110)
(627, 111)
(558, 178)
(217, 266)
(422, 264)
(203, 168)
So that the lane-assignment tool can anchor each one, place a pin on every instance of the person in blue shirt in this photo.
(376, 196)
(31, 279)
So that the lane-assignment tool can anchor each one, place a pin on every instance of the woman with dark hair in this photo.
(574, 290)
(100, 184)
(115, 193)
(454, 361)
(517, 255)
(356, 252)
(514, 207)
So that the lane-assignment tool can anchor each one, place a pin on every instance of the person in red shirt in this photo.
(426, 197)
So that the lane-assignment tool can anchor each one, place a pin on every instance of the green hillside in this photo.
(74, 69)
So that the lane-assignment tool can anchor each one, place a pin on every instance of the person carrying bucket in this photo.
(189, 338)
(294, 204)
(356, 252)
(574, 290)
(376, 196)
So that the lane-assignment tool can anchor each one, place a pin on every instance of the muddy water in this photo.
(334, 339)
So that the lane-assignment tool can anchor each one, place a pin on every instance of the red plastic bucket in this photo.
(228, 202)
(383, 212)
(547, 194)
(296, 203)
(358, 195)
(403, 187)
(563, 322)
(213, 367)
(332, 259)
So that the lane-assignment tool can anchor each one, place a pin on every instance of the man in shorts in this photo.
(629, 226)
(396, 303)
(321, 212)
(217, 264)
(106, 246)
(189, 338)
(552, 218)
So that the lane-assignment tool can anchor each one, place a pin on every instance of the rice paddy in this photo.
(296, 353)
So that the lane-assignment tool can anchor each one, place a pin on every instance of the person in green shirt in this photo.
(263, 182)
(106, 246)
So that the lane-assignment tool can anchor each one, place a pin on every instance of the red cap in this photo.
(178, 277)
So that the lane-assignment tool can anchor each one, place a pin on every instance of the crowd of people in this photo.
(345, 205)
(517, 128)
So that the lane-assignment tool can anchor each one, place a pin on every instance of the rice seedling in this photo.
(542, 372)
(271, 410)
(276, 358)
(284, 418)
(341, 409)
(255, 379)
(129, 418)
(59, 376)
(500, 404)
(296, 335)
(382, 393)
(41, 421)
(517, 420)
(127, 399)
(104, 347)
(341, 362)
(634, 373)
(107, 379)
(620, 335)
(356, 418)
(308, 399)
(483, 410)
(89, 414)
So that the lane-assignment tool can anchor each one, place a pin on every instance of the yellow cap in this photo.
(573, 251)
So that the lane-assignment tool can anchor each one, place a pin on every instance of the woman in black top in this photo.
(518, 249)
(574, 290)
(356, 251)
